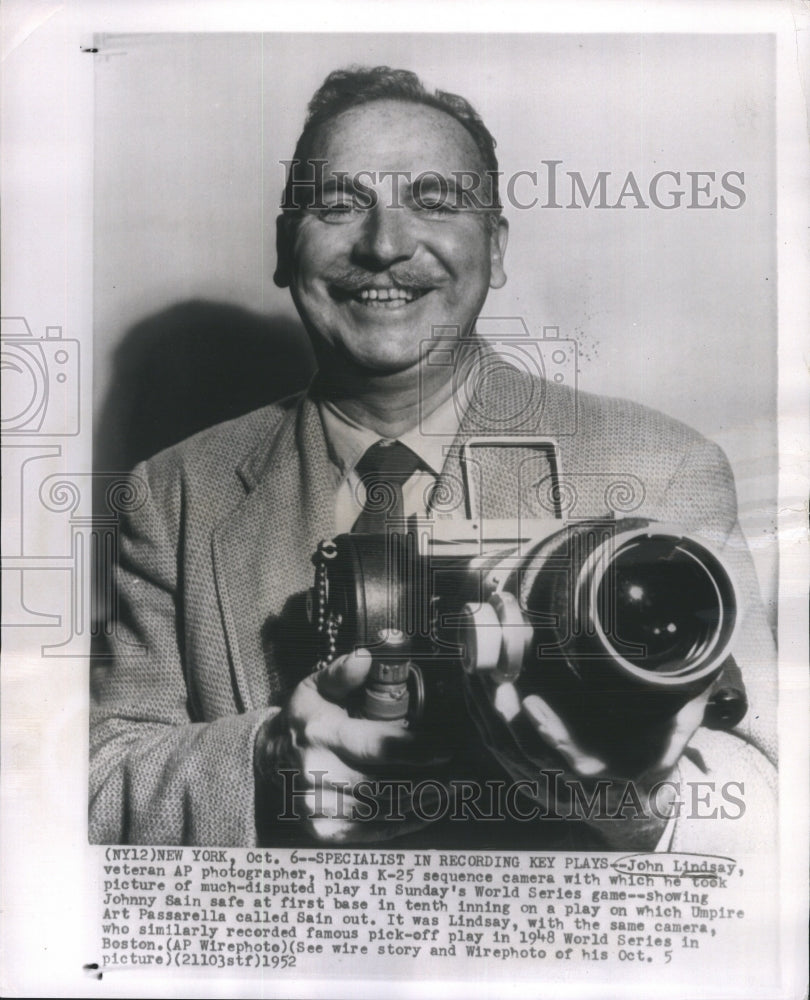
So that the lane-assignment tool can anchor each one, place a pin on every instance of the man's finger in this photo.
(683, 728)
(320, 766)
(365, 742)
(551, 728)
(342, 831)
(334, 815)
(347, 673)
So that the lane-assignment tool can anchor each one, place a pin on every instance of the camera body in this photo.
(615, 623)
(40, 381)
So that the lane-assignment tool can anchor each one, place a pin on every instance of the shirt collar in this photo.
(347, 441)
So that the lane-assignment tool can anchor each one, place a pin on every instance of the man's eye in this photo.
(435, 205)
(339, 213)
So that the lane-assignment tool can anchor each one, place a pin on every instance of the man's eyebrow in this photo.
(433, 180)
(457, 180)
(338, 182)
(457, 189)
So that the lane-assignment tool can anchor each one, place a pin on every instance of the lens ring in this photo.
(713, 624)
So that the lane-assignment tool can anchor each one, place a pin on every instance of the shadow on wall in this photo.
(189, 367)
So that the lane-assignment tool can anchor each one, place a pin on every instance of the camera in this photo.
(40, 381)
(504, 342)
(614, 622)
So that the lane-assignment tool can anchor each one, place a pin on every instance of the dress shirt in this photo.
(347, 442)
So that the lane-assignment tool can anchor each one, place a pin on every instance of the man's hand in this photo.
(678, 731)
(632, 830)
(330, 753)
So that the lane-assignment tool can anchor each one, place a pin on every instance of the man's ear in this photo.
(497, 248)
(283, 273)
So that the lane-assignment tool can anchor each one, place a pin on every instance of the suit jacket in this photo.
(213, 564)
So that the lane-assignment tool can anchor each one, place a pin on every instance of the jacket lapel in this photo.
(262, 552)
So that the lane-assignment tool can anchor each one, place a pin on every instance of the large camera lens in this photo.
(662, 596)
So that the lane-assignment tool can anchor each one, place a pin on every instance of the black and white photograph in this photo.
(399, 551)
(616, 627)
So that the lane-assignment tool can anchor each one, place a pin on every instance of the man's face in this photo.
(371, 280)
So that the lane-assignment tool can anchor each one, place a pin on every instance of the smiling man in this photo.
(211, 704)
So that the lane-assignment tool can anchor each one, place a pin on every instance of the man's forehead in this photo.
(395, 135)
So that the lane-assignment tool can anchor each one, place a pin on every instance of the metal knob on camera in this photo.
(386, 693)
(495, 637)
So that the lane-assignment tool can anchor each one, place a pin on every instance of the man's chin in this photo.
(375, 367)
(375, 363)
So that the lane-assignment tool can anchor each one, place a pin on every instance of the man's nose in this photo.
(386, 237)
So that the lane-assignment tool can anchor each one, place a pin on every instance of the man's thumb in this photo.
(344, 675)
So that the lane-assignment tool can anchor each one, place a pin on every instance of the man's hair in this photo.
(350, 88)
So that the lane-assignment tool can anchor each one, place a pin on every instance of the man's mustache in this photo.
(354, 279)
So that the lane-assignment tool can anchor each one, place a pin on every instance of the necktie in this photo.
(384, 469)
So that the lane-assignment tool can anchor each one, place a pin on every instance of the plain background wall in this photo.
(675, 309)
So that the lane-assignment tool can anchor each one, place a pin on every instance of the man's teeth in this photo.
(387, 294)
